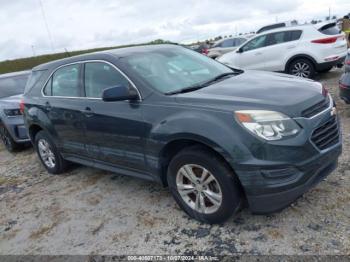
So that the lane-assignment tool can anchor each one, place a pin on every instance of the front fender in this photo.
(214, 129)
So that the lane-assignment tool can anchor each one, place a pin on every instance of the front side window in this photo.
(170, 69)
(255, 43)
(99, 76)
(65, 82)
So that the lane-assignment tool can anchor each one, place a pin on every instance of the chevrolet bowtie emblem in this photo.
(334, 111)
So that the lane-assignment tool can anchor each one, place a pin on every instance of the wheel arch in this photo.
(300, 56)
(172, 147)
(33, 129)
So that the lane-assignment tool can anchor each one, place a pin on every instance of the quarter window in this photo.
(65, 82)
(99, 76)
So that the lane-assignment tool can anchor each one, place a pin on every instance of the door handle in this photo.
(258, 53)
(291, 47)
(48, 107)
(88, 112)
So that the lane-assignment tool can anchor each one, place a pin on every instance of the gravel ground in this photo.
(89, 211)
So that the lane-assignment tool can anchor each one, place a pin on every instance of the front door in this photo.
(252, 55)
(114, 130)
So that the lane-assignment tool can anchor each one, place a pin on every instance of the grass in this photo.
(30, 62)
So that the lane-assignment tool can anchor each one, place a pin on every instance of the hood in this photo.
(11, 100)
(258, 90)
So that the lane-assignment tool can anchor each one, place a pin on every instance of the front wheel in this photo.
(302, 68)
(203, 185)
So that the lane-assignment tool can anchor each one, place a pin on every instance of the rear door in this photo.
(114, 130)
(279, 45)
(63, 104)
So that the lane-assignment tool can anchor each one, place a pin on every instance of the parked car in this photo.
(300, 50)
(13, 133)
(347, 62)
(276, 25)
(224, 46)
(201, 48)
(344, 82)
(214, 135)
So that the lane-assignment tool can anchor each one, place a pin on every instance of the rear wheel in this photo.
(301, 67)
(7, 140)
(203, 185)
(48, 154)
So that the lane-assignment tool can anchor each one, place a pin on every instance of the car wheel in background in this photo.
(7, 140)
(301, 67)
(203, 185)
(48, 154)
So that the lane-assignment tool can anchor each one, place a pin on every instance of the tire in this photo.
(7, 140)
(302, 67)
(325, 70)
(48, 154)
(225, 183)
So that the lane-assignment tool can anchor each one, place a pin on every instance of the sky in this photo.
(35, 27)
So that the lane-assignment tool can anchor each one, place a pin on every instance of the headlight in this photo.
(269, 125)
(12, 112)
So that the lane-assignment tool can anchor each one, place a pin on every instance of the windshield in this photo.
(171, 69)
(11, 86)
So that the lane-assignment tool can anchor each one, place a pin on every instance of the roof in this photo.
(116, 53)
(15, 74)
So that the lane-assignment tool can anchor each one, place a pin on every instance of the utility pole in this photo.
(46, 25)
(33, 50)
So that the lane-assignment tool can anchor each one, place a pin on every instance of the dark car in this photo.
(13, 133)
(347, 62)
(216, 136)
(344, 82)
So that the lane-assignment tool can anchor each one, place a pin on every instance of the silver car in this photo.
(224, 46)
(13, 133)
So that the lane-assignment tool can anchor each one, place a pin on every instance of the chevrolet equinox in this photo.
(218, 137)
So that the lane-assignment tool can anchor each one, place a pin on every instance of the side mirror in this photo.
(119, 93)
(239, 50)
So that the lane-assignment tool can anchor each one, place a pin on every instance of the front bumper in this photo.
(285, 171)
(16, 128)
(276, 196)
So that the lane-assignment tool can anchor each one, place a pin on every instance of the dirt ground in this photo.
(89, 211)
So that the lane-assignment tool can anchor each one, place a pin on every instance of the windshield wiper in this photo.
(199, 86)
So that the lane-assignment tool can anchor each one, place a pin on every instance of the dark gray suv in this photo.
(218, 137)
(12, 130)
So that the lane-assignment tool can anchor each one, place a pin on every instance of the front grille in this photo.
(327, 134)
(317, 108)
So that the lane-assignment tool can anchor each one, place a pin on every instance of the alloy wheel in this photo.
(301, 69)
(46, 153)
(199, 189)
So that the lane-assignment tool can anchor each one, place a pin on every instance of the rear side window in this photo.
(98, 76)
(65, 82)
(282, 37)
(34, 78)
(330, 29)
(11, 86)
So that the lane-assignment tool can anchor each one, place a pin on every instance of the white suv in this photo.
(299, 50)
